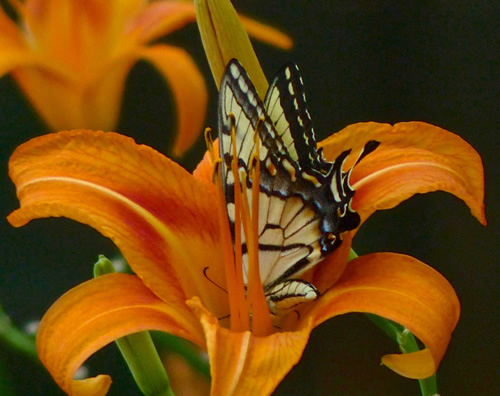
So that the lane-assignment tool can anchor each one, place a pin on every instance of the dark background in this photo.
(433, 61)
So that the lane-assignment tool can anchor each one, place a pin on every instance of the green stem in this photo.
(183, 348)
(139, 352)
(16, 339)
(147, 369)
(6, 385)
(406, 341)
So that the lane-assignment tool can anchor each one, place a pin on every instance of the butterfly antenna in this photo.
(211, 281)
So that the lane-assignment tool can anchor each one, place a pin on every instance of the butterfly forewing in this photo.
(239, 99)
(287, 107)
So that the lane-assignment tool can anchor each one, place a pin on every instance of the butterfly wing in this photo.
(288, 227)
(304, 201)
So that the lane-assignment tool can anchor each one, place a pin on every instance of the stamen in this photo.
(207, 134)
(261, 319)
(236, 316)
(247, 221)
(214, 160)
(239, 296)
(239, 316)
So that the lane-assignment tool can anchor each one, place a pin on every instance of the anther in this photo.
(232, 120)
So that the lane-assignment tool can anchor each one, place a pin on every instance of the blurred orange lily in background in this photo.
(167, 224)
(71, 59)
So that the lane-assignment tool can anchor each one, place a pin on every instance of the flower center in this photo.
(248, 311)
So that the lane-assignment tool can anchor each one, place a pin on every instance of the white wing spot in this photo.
(251, 98)
(235, 71)
(290, 89)
(243, 85)
(231, 211)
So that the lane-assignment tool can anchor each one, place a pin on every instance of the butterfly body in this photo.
(304, 200)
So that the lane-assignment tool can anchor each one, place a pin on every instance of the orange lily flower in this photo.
(168, 225)
(71, 59)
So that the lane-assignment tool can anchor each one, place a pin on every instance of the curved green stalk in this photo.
(139, 352)
(184, 348)
(16, 339)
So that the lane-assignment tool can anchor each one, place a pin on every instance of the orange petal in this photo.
(70, 28)
(328, 271)
(161, 18)
(188, 87)
(97, 312)
(243, 364)
(13, 48)
(158, 215)
(415, 365)
(164, 17)
(94, 386)
(99, 101)
(323, 275)
(204, 170)
(54, 97)
(266, 34)
(413, 157)
(73, 44)
(405, 290)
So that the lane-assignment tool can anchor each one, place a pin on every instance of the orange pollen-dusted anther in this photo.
(209, 142)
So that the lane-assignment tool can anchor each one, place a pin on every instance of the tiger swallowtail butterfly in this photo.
(304, 200)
